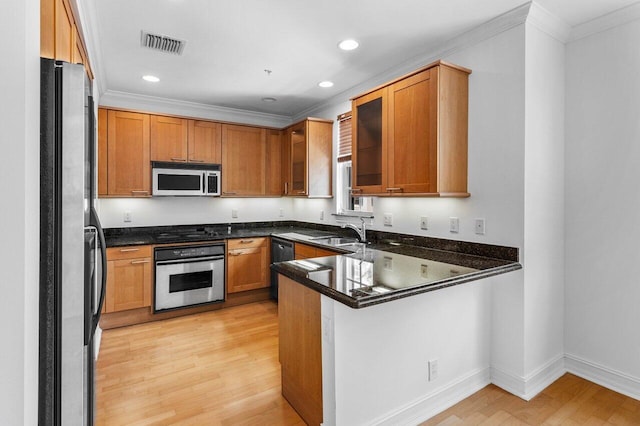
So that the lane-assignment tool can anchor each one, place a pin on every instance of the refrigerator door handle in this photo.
(103, 251)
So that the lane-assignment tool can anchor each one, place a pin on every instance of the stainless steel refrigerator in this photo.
(72, 247)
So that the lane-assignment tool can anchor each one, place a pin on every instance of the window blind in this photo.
(344, 141)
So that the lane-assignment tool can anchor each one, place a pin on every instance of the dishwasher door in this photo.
(281, 251)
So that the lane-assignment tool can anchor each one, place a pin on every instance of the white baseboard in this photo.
(529, 386)
(435, 402)
(604, 376)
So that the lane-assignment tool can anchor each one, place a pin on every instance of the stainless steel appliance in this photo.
(281, 251)
(183, 179)
(72, 248)
(188, 276)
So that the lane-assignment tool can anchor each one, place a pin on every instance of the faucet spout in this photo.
(362, 231)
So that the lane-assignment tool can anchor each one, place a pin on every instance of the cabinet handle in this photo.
(356, 190)
(196, 161)
(179, 159)
(301, 192)
(229, 193)
(235, 253)
(136, 262)
(246, 241)
(286, 188)
(394, 189)
(139, 191)
(129, 250)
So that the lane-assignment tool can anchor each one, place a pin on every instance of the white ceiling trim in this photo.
(548, 23)
(116, 99)
(491, 28)
(606, 22)
(89, 28)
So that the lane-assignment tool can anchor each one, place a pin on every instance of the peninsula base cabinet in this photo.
(299, 322)
(129, 278)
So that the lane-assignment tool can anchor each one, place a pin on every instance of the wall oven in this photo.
(188, 276)
(184, 179)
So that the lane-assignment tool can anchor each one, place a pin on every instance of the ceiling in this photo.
(230, 44)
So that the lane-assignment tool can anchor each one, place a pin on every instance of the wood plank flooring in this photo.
(221, 368)
(213, 368)
(569, 401)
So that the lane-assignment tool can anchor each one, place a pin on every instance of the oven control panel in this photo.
(186, 252)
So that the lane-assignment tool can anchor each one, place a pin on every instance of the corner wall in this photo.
(602, 200)
(19, 227)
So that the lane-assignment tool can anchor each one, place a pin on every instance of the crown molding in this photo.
(606, 22)
(548, 23)
(87, 15)
(115, 99)
(434, 51)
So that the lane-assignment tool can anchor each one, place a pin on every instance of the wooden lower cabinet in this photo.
(129, 278)
(300, 350)
(247, 264)
(305, 251)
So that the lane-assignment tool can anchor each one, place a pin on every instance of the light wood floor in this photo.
(214, 368)
(569, 401)
(221, 368)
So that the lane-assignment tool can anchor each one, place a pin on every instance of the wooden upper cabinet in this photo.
(102, 152)
(410, 136)
(168, 138)
(243, 160)
(128, 164)
(309, 164)
(274, 183)
(64, 31)
(205, 142)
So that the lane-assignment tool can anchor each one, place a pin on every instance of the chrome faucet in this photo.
(362, 232)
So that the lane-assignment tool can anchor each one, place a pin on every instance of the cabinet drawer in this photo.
(129, 252)
(323, 252)
(242, 243)
(304, 251)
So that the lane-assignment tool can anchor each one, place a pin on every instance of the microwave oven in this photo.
(184, 179)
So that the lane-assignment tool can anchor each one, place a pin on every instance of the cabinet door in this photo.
(129, 168)
(243, 160)
(248, 269)
(286, 162)
(102, 152)
(168, 139)
(298, 137)
(369, 118)
(412, 147)
(205, 142)
(274, 163)
(64, 31)
(128, 284)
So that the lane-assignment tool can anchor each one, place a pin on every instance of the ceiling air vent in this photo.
(162, 43)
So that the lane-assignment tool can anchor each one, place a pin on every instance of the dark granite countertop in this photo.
(390, 267)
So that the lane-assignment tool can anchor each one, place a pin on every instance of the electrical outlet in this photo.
(388, 263)
(424, 271)
(281, 212)
(454, 225)
(321, 214)
(388, 219)
(234, 213)
(424, 222)
(480, 226)
(127, 216)
(433, 369)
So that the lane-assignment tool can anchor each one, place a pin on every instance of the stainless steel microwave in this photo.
(184, 179)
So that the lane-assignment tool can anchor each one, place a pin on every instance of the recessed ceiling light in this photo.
(151, 78)
(325, 84)
(269, 99)
(348, 44)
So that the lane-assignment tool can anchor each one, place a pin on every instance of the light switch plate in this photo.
(454, 225)
(234, 213)
(127, 216)
(388, 219)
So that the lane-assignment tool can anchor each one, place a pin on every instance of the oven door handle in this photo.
(188, 260)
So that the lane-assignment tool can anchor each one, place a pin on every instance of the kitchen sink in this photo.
(336, 241)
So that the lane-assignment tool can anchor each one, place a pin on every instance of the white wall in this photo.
(19, 175)
(543, 252)
(602, 200)
(190, 210)
(381, 355)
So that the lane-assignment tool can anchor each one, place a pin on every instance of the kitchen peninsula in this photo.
(358, 330)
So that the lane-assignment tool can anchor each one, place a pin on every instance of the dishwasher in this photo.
(281, 251)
